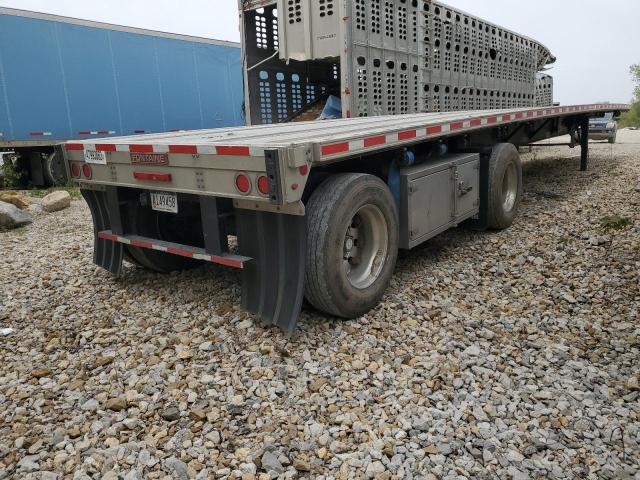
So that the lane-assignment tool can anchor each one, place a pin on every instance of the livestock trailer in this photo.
(383, 57)
(63, 79)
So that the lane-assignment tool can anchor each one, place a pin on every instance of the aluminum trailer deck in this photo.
(337, 139)
(165, 201)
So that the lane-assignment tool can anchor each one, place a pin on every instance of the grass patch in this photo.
(615, 223)
(40, 193)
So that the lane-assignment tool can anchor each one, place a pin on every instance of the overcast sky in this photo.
(595, 41)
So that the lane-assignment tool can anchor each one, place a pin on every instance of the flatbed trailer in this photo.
(319, 209)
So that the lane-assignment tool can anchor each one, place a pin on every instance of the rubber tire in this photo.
(145, 224)
(329, 211)
(54, 170)
(613, 139)
(501, 156)
(128, 257)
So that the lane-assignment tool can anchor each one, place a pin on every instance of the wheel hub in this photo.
(349, 244)
(366, 244)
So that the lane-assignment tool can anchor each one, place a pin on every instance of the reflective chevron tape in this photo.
(438, 130)
(359, 145)
(232, 150)
(234, 261)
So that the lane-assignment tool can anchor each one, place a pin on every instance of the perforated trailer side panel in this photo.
(384, 57)
(277, 91)
(544, 90)
(422, 56)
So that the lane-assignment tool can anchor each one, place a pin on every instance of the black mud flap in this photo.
(106, 254)
(273, 283)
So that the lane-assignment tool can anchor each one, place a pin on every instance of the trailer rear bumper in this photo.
(272, 249)
(234, 261)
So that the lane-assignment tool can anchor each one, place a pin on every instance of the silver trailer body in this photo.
(382, 57)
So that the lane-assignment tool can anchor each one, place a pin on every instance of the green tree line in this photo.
(632, 117)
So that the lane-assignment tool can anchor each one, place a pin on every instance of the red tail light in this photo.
(243, 183)
(263, 185)
(86, 171)
(75, 170)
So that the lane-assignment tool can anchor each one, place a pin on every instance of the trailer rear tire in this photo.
(505, 186)
(352, 229)
(55, 172)
(147, 223)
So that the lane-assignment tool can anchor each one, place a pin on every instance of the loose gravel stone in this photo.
(12, 217)
(493, 355)
(56, 201)
(171, 414)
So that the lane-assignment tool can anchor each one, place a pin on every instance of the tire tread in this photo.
(329, 193)
(499, 151)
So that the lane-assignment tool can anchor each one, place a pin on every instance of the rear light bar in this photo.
(151, 176)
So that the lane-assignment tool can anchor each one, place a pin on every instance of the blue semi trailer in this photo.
(63, 78)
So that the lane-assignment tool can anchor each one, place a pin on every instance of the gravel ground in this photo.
(510, 355)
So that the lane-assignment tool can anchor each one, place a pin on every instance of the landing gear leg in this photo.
(584, 144)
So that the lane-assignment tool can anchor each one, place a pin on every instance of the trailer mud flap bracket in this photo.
(273, 283)
(106, 254)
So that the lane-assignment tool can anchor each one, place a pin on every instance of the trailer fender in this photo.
(273, 282)
(106, 254)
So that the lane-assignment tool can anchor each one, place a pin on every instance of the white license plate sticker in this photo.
(99, 158)
(164, 202)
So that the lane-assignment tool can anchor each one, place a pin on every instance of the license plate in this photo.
(91, 156)
(164, 202)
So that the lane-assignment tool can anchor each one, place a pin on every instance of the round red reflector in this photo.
(75, 170)
(263, 185)
(243, 184)
(304, 169)
(86, 171)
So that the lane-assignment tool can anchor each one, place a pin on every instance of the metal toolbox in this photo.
(436, 196)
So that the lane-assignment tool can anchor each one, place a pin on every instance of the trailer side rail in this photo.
(335, 138)
(208, 162)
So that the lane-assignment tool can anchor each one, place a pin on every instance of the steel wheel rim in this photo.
(509, 188)
(365, 247)
(58, 171)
